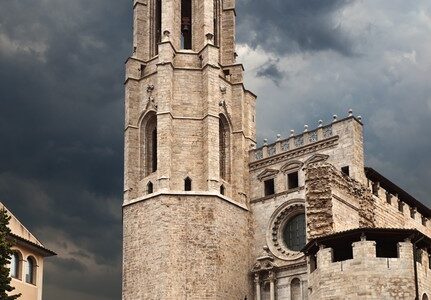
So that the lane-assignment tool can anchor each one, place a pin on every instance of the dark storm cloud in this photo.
(386, 80)
(61, 119)
(293, 25)
(61, 110)
(270, 70)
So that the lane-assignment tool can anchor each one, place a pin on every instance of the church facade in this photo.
(207, 215)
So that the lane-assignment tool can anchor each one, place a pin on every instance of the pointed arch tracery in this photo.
(224, 147)
(149, 144)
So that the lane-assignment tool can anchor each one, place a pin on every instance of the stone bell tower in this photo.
(189, 126)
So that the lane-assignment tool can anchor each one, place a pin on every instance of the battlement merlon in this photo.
(369, 257)
(344, 136)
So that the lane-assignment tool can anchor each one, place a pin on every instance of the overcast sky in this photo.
(61, 108)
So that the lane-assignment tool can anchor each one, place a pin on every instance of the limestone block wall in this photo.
(336, 202)
(185, 90)
(388, 213)
(198, 250)
(340, 144)
(365, 276)
(264, 212)
(424, 274)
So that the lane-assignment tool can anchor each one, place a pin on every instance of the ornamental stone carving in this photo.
(278, 220)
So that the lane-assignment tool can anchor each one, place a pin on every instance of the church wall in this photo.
(365, 276)
(345, 214)
(424, 275)
(341, 142)
(388, 214)
(336, 144)
(192, 253)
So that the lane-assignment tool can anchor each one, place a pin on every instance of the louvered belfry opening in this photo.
(158, 24)
(186, 24)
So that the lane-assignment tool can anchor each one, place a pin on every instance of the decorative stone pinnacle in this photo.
(292, 132)
(278, 137)
(265, 142)
(334, 118)
(320, 123)
(305, 128)
(350, 112)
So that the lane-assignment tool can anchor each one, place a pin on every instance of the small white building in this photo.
(26, 266)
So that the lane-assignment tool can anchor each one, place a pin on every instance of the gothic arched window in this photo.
(186, 24)
(149, 144)
(224, 148)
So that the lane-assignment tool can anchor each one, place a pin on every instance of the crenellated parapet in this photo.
(369, 263)
(395, 207)
(342, 139)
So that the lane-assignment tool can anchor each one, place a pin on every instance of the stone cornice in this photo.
(182, 193)
(310, 148)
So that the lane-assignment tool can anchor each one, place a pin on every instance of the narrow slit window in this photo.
(150, 188)
(269, 187)
(187, 184)
(186, 24)
(345, 170)
(293, 180)
(142, 69)
(222, 190)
